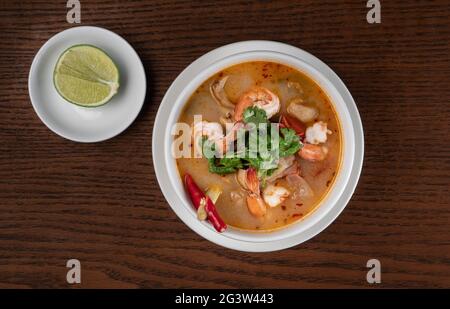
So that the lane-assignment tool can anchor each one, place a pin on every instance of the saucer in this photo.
(83, 124)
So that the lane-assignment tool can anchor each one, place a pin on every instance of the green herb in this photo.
(224, 165)
(289, 142)
(264, 162)
(255, 115)
(221, 166)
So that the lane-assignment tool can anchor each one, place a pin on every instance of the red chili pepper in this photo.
(293, 123)
(196, 196)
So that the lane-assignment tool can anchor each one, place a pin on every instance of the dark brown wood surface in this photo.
(100, 203)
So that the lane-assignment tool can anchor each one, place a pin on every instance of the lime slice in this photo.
(85, 75)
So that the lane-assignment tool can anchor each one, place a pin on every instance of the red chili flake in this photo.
(297, 215)
(299, 205)
(220, 74)
(283, 207)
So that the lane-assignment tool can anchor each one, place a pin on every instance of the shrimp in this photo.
(260, 97)
(313, 153)
(314, 135)
(250, 182)
(214, 132)
(275, 195)
(317, 133)
(256, 205)
(218, 93)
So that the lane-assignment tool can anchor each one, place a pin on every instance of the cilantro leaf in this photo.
(225, 165)
(264, 161)
(254, 115)
(289, 142)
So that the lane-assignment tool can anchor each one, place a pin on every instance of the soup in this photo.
(245, 192)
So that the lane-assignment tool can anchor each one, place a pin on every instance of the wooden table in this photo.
(100, 203)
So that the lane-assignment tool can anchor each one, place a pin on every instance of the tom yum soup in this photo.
(258, 146)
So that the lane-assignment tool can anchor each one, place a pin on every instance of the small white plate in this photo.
(78, 123)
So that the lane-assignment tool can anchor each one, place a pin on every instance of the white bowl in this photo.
(206, 66)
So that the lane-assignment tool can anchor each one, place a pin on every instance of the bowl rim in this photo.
(202, 69)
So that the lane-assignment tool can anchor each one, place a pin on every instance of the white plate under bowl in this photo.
(213, 62)
(84, 124)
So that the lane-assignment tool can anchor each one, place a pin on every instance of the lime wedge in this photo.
(85, 75)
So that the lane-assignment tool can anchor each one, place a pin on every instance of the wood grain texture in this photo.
(100, 203)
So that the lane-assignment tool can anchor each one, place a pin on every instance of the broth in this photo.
(289, 85)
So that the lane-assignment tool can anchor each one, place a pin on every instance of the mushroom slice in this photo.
(302, 112)
(218, 92)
